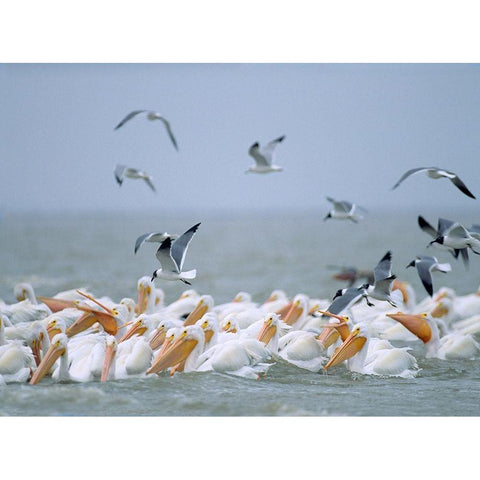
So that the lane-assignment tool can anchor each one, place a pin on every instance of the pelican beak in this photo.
(341, 328)
(94, 300)
(54, 352)
(196, 314)
(138, 328)
(284, 310)
(158, 338)
(110, 351)
(177, 353)
(37, 348)
(313, 309)
(328, 337)
(415, 324)
(208, 335)
(267, 332)
(439, 311)
(271, 298)
(351, 346)
(293, 314)
(143, 295)
(80, 324)
(237, 299)
(55, 304)
(402, 286)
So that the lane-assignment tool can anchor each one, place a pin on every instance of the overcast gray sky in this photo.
(351, 131)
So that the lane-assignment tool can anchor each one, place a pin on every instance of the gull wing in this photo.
(408, 173)
(343, 301)
(458, 231)
(426, 227)
(164, 256)
(129, 117)
(148, 180)
(180, 246)
(443, 226)
(269, 148)
(154, 237)
(461, 186)
(169, 130)
(424, 272)
(119, 173)
(383, 270)
(260, 159)
(342, 206)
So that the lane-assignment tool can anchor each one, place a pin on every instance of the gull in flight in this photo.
(425, 266)
(435, 173)
(343, 210)
(457, 236)
(121, 171)
(443, 226)
(154, 237)
(264, 157)
(383, 280)
(151, 115)
(171, 256)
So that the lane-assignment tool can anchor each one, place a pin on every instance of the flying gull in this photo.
(171, 256)
(425, 265)
(151, 115)
(264, 157)
(383, 280)
(121, 171)
(343, 210)
(458, 237)
(346, 297)
(435, 173)
(154, 237)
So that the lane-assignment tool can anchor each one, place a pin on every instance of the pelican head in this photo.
(110, 350)
(229, 324)
(417, 324)
(350, 347)
(58, 347)
(204, 304)
(209, 324)
(269, 328)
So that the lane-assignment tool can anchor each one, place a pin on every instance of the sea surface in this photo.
(257, 253)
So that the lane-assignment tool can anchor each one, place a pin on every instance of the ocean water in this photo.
(234, 252)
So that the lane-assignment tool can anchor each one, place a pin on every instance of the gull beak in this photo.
(415, 324)
(197, 313)
(54, 352)
(110, 351)
(138, 328)
(55, 304)
(267, 332)
(284, 310)
(293, 314)
(351, 346)
(173, 355)
(158, 338)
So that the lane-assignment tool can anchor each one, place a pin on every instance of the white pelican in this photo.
(157, 337)
(372, 356)
(264, 157)
(126, 359)
(241, 303)
(302, 349)
(150, 298)
(204, 304)
(150, 115)
(436, 173)
(277, 300)
(297, 315)
(171, 256)
(452, 345)
(16, 360)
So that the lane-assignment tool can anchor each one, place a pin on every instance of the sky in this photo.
(351, 131)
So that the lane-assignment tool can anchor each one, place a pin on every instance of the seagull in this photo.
(154, 237)
(121, 171)
(151, 115)
(383, 280)
(435, 173)
(346, 297)
(443, 225)
(457, 237)
(343, 210)
(264, 157)
(171, 256)
(425, 266)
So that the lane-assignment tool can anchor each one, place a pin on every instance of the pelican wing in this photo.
(164, 256)
(169, 130)
(180, 246)
(119, 173)
(129, 117)
(408, 173)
